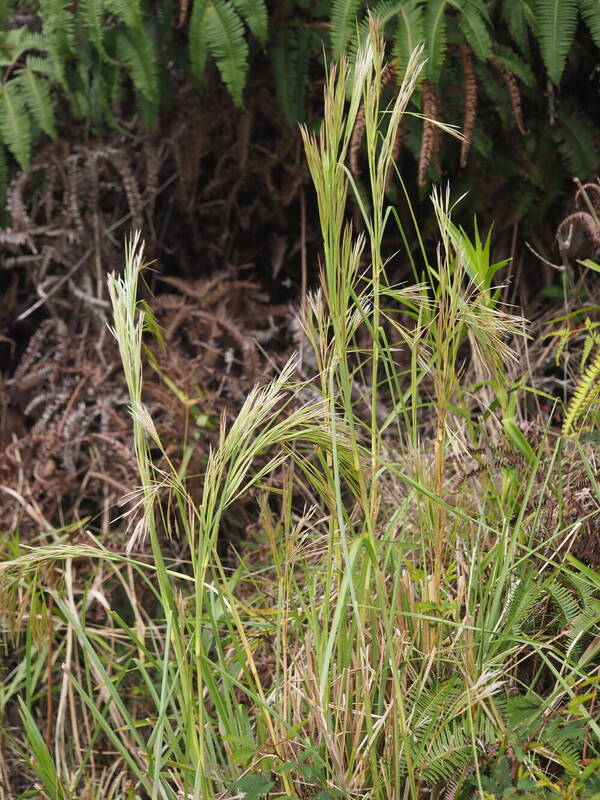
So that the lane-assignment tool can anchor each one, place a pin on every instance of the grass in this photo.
(406, 622)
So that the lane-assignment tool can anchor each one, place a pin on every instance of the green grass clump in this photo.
(400, 626)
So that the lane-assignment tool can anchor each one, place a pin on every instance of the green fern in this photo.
(565, 600)
(515, 64)
(15, 123)
(590, 11)
(17, 41)
(254, 14)
(92, 16)
(555, 29)
(128, 11)
(519, 18)
(435, 38)
(290, 57)
(36, 92)
(343, 18)
(382, 12)
(228, 46)
(4, 216)
(198, 42)
(216, 28)
(136, 51)
(409, 33)
(58, 26)
(474, 20)
(586, 391)
(578, 143)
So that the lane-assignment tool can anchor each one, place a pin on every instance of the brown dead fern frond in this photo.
(20, 219)
(184, 6)
(578, 235)
(43, 354)
(358, 135)
(514, 92)
(132, 190)
(470, 102)
(428, 138)
(152, 165)
(587, 198)
(73, 200)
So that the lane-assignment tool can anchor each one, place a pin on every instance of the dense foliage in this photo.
(518, 75)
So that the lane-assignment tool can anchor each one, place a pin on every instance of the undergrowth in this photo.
(406, 619)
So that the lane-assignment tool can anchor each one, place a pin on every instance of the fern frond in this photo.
(435, 38)
(518, 15)
(290, 64)
(197, 39)
(410, 32)
(589, 11)
(511, 61)
(428, 140)
(4, 216)
(564, 599)
(58, 24)
(128, 11)
(17, 41)
(225, 37)
(92, 16)
(586, 391)
(514, 92)
(15, 124)
(470, 107)
(578, 144)
(343, 24)
(254, 14)
(448, 752)
(519, 607)
(474, 27)
(586, 350)
(36, 92)
(137, 52)
(555, 29)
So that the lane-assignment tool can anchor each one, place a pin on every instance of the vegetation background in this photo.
(262, 657)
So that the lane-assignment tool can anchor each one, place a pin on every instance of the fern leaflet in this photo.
(474, 28)
(15, 124)
(409, 34)
(435, 37)
(225, 36)
(343, 24)
(254, 14)
(128, 11)
(590, 11)
(36, 92)
(136, 51)
(556, 23)
(92, 13)
(518, 16)
(290, 62)
(586, 392)
(578, 144)
(198, 43)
